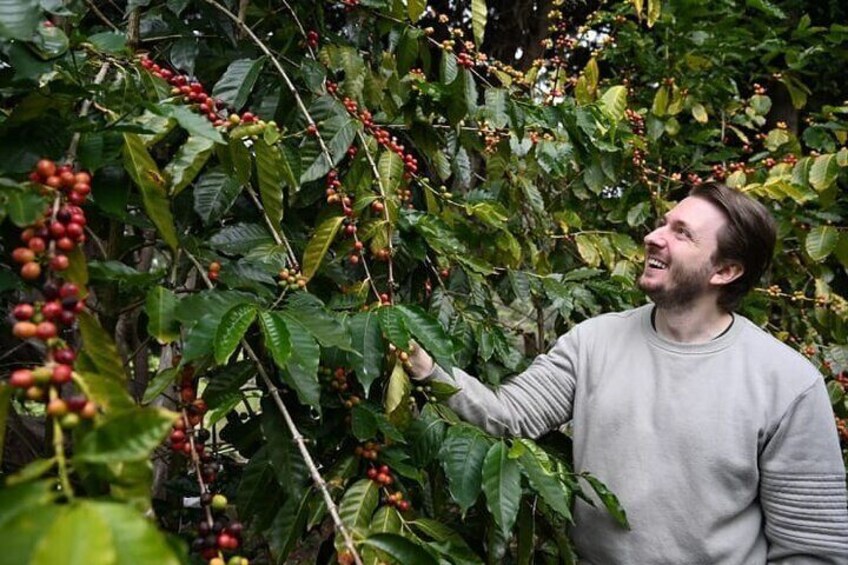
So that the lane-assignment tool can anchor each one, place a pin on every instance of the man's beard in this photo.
(680, 289)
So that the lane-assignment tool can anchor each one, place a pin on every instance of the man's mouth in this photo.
(657, 264)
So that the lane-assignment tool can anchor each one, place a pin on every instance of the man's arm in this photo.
(802, 485)
(526, 405)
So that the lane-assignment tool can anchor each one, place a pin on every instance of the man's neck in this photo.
(697, 323)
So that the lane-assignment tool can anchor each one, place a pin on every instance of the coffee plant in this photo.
(225, 223)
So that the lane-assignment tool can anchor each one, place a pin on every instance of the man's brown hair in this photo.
(748, 238)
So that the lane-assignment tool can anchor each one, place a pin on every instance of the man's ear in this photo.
(727, 273)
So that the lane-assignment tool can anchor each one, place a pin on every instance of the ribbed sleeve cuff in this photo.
(805, 514)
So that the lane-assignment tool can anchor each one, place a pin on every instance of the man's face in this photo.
(678, 254)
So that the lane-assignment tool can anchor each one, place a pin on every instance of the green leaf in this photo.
(761, 104)
(366, 339)
(302, 367)
(611, 502)
(479, 14)
(820, 242)
(159, 307)
(319, 244)
(126, 436)
(614, 102)
(25, 206)
(386, 520)
(289, 163)
(235, 85)
(415, 8)
(213, 195)
(19, 501)
(288, 526)
(195, 124)
(390, 167)
(323, 325)
(241, 238)
(446, 541)
(276, 336)
(269, 177)
(397, 393)
(660, 105)
(100, 349)
(357, 506)
(159, 383)
(108, 41)
(428, 332)
(400, 550)
(283, 453)
(824, 171)
(392, 324)
(259, 490)
(536, 465)
(30, 472)
(18, 19)
(94, 532)
(136, 539)
(77, 535)
(107, 392)
(226, 381)
(462, 455)
(588, 249)
(776, 138)
(188, 162)
(338, 133)
(145, 174)
(231, 330)
(502, 485)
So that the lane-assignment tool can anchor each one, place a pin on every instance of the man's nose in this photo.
(655, 238)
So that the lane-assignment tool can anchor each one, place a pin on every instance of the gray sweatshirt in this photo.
(723, 452)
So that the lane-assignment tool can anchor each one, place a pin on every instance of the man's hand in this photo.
(419, 364)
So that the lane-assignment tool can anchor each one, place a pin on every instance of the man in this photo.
(718, 439)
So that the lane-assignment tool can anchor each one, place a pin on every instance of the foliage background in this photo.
(547, 136)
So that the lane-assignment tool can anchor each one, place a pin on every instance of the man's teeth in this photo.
(657, 264)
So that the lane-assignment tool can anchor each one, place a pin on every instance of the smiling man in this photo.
(718, 439)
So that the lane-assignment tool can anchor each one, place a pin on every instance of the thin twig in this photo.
(376, 172)
(290, 424)
(276, 233)
(101, 15)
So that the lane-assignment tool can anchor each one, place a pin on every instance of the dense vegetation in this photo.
(224, 222)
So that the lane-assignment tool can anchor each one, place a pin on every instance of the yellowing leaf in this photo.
(319, 244)
(700, 113)
(145, 174)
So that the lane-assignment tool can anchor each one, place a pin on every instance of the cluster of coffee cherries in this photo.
(219, 536)
(637, 121)
(383, 137)
(193, 410)
(312, 38)
(51, 310)
(292, 279)
(382, 475)
(48, 240)
(465, 60)
(193, 93)
(76, 186)
(369, 450)
(336, 379)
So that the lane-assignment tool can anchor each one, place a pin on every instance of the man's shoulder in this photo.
(778, 358)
